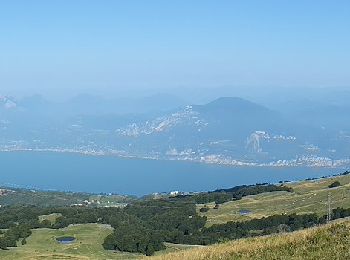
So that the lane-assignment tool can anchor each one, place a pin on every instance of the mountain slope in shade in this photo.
(227, 126)
(7, 102)
(231, 117)
(231, 104)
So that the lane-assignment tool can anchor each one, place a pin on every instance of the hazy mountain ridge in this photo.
(228, 130)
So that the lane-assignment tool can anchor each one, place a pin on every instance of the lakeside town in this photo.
(192, 156)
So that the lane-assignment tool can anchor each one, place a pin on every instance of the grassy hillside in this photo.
(308, 197)
(327, 242)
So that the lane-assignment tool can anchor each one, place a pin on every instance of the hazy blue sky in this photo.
(106, 46)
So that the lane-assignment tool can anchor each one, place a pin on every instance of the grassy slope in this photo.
(52, 217)
(326, 242)
(308, 197)
(42, 245)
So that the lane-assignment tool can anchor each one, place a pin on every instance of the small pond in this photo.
(65, 240)
(244, 212)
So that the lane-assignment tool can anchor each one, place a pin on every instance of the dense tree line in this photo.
(236, 193)
(255, 227)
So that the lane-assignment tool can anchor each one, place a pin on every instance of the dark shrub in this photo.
(334, 184)
(204, 209)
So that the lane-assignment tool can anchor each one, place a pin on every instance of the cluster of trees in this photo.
(153, 222)
(236, 193)
(14, 234)
(340, 213)
(134, 238)
(334, 184)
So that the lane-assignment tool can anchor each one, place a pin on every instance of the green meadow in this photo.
(42, 244)
(308, 197)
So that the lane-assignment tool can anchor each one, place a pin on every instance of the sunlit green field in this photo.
(42, 244)
(308, 197)
(51, 218)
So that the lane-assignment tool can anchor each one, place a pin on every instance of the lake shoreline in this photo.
(107, 174)
(225, 162)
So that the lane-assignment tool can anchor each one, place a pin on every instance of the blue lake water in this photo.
(65, 240)
(74, 172)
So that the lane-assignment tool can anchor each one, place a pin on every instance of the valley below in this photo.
(273, 215)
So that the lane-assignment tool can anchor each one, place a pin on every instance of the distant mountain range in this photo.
(94, 105)
(228, 130)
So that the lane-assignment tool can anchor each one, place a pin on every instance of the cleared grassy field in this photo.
(42, 244)
(308, 197)
(52, 217)
(327, 242)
